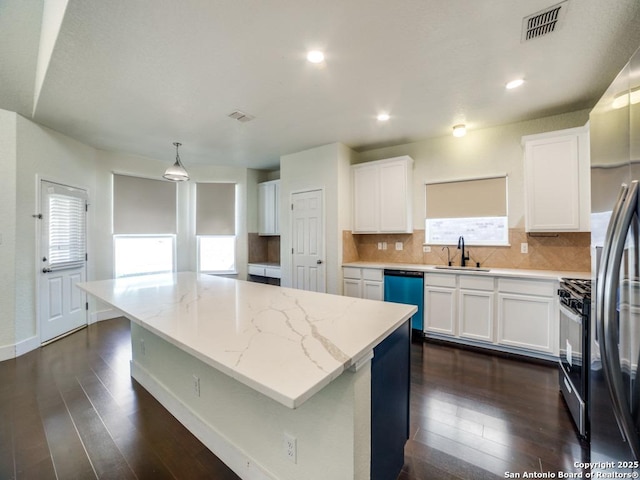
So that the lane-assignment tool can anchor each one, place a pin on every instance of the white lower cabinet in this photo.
(510, 314)
(440, 311)
(476, 300)
(528, 315)
(363, 283)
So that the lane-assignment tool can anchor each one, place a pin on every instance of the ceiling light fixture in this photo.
(383, 117)
(459, 130)
(176, 172)
(514, 83)
(623, 100)
(315, 56)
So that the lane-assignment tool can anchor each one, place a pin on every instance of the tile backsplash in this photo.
(264, 248)
(561, 251)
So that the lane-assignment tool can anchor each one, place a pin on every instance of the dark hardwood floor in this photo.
(70, 410)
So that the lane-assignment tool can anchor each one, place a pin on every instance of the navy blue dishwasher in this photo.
(406, 286)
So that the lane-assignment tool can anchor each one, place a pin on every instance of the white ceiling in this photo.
(135, 76)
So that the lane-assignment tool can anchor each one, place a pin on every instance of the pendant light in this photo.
(176, 172)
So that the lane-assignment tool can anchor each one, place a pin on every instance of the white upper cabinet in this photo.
(382, 197)
(269, 208)
(557, 189)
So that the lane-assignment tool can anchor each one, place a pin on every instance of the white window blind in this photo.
(142, 206)
(67, 227)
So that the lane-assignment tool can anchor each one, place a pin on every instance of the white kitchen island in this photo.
(277, 382)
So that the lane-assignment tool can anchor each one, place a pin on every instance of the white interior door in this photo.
(308, 241)
(62, 259)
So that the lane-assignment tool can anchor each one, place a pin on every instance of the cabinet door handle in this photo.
(46, 270)
(319, 262)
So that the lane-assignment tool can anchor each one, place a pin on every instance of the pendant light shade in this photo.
(176, 172)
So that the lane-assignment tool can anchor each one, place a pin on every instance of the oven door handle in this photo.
(567, 312)
(609, 327)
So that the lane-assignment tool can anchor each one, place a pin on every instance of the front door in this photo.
(308, 241)
(62, 259)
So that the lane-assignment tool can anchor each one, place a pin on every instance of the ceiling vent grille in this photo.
(543, 22)
(241, 116)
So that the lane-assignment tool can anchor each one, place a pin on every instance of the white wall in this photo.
(489, 151)
(326, 168)
(42, 154)
(8, 133)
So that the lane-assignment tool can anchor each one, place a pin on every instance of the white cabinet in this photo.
(269, 208)
(261, 270)
(475, 307)
(528, 314)
(440, 303)
(500, 313)
(382, 199)
(557, 188)
(363, 283)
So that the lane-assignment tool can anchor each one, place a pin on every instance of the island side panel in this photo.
(246, 429)
(390, 385)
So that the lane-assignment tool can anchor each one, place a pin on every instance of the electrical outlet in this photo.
(524, 248)
(426, 249)
(196, 385)
(384, 245)
(399, 245)
(290, 447)
(143, 348)
(379, 245)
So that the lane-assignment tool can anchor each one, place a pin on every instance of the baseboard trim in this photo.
(26, 346)
(245, 467)
(7, 352)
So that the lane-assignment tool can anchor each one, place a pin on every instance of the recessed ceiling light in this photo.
(459, 130)
(383, 117)
(315, 56)
(514, 83)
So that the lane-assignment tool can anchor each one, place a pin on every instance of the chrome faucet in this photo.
(463, 258)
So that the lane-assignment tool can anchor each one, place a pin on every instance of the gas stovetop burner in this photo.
(578, 287)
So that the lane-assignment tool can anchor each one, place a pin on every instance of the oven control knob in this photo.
(563, 293)
(576, 304)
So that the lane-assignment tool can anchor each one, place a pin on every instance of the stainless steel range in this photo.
(575, 306)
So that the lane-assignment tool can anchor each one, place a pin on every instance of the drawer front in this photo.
(543, 288)
(352, 272)
(272, 272)
(255, 270)
(476, 282)
(374, 274)
(440, 280)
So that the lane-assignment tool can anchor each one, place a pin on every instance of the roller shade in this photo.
(486, 197)
(143, 206)
(216, 209)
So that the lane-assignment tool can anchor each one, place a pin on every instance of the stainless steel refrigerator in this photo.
(614, 386)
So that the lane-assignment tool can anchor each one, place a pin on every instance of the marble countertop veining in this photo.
(495, 272)
(287, 344)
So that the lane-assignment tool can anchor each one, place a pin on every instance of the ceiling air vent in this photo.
(241, 116)
(543, 22)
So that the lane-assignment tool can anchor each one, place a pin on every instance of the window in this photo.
(216, 227)
(67, 242)
(475, 209)
(217, 254)
(143, 255)
(144, 226)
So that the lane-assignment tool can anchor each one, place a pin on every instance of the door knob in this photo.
(319, 262)
(46, 270)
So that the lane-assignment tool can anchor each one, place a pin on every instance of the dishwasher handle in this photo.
(403, 273)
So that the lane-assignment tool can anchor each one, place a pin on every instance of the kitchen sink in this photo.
(462, 269)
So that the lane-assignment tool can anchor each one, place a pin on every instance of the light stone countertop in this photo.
(287, 344)
(495, 272)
